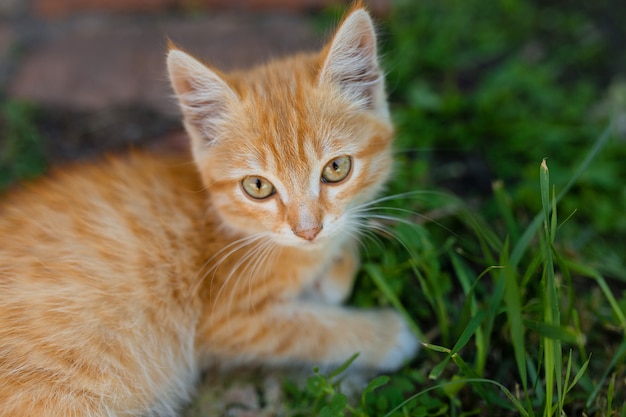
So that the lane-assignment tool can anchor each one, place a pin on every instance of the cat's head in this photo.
(291, 148)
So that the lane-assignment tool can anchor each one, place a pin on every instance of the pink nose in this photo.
(308, 234)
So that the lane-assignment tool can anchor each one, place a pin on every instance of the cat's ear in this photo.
(351, 63)
(203, 95)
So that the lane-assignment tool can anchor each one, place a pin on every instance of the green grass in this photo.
(22, 154)
(518, 291)
(521, 344)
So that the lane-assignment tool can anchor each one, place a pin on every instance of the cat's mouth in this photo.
(305, 243)
(307, 239)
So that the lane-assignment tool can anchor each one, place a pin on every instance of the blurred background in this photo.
(481, 92)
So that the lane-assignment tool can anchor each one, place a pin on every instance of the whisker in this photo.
(384, 230)
(365, 212)
(404, 195)
(356, 231)
(268, 256)
(223, 254)
(374, 237)
(246, 268)
(232, 271)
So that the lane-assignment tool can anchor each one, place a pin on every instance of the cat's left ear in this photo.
(204, 96)
(351, 63)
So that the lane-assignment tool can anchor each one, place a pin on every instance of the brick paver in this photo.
(97, 62)
(57, 8)
(92, 54)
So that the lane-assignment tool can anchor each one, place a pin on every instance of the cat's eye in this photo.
(257, 187)
(337, 169)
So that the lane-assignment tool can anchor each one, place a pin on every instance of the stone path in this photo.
(93, 54)
(94, 62)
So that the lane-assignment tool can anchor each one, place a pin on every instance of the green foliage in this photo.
(518, 289)
(21, 147)
(323, 396)
(510, 82)
(521, 343)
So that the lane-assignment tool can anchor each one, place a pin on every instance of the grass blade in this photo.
(376, 274)
(579, 374)
(552, 347)
(595, 275)
(513, 304)
(535, 224)
(599, 384)
(514, 401)
(504, 207)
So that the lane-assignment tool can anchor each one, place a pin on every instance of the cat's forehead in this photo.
(288, 144)
(285, 115)
(289, 156)
(286, 125)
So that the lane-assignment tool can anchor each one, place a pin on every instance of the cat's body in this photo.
(120, 280)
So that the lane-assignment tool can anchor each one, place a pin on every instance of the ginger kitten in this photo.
(120, 280)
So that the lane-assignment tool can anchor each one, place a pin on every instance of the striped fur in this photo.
(120, 280)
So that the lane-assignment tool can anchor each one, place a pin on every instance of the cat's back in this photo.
(96, 265)
(129, 200)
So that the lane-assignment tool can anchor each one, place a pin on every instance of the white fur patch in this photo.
(405, 347)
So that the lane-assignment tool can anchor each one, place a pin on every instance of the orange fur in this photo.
(120, 280)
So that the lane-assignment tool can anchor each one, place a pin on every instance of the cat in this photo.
(120, 280)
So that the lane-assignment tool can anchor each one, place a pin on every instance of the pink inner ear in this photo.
(204, 97)
(352, 61)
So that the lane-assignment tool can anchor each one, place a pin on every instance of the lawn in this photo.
(508, 225)
(503, 236)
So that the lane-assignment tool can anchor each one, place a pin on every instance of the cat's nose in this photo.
(308, 234)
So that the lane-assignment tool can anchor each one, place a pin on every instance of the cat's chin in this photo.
(303, 244)
(324, 241)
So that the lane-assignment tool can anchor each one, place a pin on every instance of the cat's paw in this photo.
(404, 347)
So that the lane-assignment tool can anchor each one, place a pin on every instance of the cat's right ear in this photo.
(351, 63)
(203, 95)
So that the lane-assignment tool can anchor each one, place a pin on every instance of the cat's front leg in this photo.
(305, 332)
(334, 283)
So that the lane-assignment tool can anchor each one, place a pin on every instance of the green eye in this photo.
(337, 169)
(257, 187)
